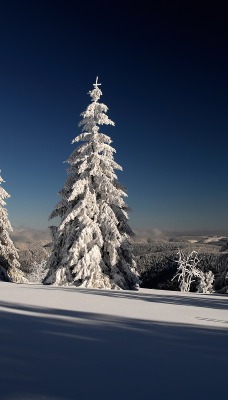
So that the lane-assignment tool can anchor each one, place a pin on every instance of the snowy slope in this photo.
(68, 343)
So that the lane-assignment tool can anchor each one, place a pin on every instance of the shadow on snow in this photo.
(57, 354)
(217, 301)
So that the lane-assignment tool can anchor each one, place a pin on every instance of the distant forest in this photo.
(156, 262)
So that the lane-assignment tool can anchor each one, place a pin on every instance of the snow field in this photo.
(73, 343)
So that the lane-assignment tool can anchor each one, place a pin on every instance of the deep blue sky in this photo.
(164, 79)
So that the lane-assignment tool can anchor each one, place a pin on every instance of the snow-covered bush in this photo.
(90, 245)
(188, 269)
(206, 280)
(9, 263)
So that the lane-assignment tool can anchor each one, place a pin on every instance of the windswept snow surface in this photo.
(73, 343)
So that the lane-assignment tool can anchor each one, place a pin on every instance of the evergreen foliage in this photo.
(90, 245)
(9, 264)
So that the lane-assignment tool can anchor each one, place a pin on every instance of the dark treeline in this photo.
(157, 264)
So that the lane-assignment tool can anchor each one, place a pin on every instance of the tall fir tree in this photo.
(9, 259)
(91, 245)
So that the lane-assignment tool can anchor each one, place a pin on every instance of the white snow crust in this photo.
(77, 343)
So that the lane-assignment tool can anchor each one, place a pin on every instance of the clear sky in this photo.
(164, 79)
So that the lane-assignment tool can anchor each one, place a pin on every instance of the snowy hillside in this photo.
(67, 343)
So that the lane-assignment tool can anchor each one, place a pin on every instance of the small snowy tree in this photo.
(187, 269)
(90, 245)
(205, 282)
(9, 264)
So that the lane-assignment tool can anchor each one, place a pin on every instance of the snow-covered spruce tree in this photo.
(91, 244)
(9, 264)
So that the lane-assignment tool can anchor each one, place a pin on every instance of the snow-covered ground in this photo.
(67, 343)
